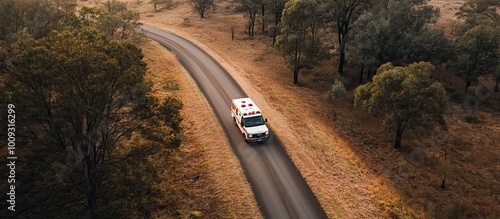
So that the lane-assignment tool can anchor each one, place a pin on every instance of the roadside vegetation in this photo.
(441, 112)
(446, 172)
(90, 132)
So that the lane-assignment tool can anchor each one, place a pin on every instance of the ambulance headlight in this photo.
(249, 135)
(267, 132)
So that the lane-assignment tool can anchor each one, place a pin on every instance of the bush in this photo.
(337, 92)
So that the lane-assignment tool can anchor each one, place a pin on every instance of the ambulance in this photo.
(248, 117)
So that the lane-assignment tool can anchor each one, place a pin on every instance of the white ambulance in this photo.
(248, 117)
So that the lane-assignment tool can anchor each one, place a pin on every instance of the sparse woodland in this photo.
(91, 125)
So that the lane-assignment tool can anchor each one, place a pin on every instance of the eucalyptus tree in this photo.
(202, 6)
(406, 97)
(276, 7)
(344, 13)
(476, 53)
(83, 98)
(250, 8)
(299, 41)
(363, 49)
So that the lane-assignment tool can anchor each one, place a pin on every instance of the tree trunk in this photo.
(342, 58)
(343, 28)
(496, 86)
(263, 22)
(250, 29)
(275, 31)
(277, 18)
(341, 61)
(399, 133)
(92, 184)
(361, 73)
(253, 22)
(467, 85)
(369, 73)
(295, 76)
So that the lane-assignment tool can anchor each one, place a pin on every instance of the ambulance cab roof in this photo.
(247, 107)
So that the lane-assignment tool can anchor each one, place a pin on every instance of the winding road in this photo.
(279, 188)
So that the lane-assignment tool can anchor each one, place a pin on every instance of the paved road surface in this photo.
(279, 188)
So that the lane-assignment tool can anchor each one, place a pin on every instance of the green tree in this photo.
(476, 52)
(118, 23)
(10, 21)
(404, 27)
(250, 9)
(362, 50)
(202, 6)
(83, 94)
(277, 8)
(480, 11)
(344, 13)
(430, 45)
(406, 96)
(36, 17)
(299, 41)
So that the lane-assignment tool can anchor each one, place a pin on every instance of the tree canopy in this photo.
(82, 93)
(88, 122)
(201, 7)
(300, 42)
(406, 96)
(476, 52)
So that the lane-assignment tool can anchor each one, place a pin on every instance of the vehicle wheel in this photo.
(245, 137)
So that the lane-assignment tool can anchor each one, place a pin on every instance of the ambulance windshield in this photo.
(253, 121)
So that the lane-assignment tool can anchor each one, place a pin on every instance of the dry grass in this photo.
(448, 9)
(342, 153)
(207, 181)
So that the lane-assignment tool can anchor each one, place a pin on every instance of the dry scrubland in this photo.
(343, 154)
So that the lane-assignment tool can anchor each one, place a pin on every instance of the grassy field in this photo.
(343, 153)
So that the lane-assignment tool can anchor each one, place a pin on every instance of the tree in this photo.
(344, 13)
(68, 6)
(9, 19)
(38, 18)
(430, 45)
(202, 6)
(474, 10)
(404, 28)
(497, 77)
(156, 3)
(299, 41)
(406, 96)
(363, 52)
(277, 10)
(83, 94)
(337, 91)
(250, 8)
(476, 52)
(118, 23)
